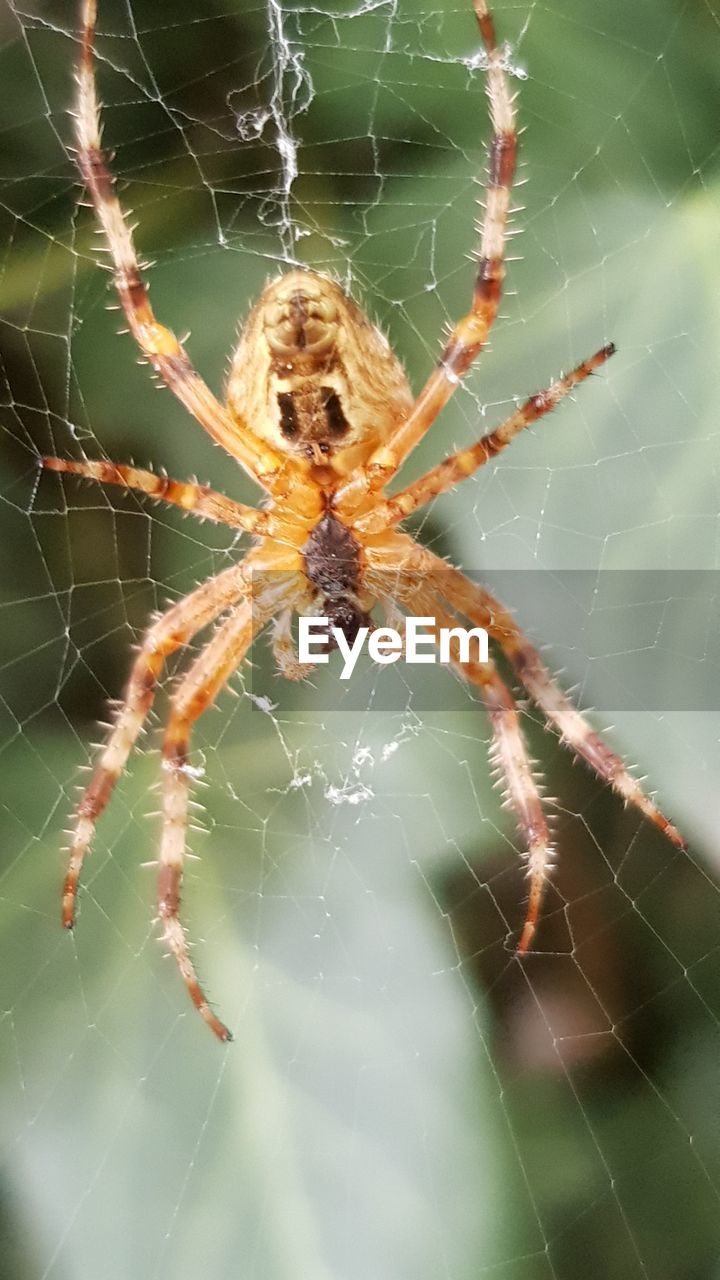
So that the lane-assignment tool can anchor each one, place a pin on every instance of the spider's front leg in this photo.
(420, 578)
(195, 693)
(482, 608)
(173, 630)
(284, 652)
(509, 751)
(511, 757)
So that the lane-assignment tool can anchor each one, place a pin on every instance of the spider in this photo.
(320, 414)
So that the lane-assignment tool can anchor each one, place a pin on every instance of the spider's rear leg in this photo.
(169, 633)
(199, 499)
(458, 466)
(470, 333)
(157, 343)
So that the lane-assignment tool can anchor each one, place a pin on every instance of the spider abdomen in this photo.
(314, 377)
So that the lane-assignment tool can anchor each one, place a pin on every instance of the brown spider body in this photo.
(320, 414)
(315, 378)
(322, 386)
(332, 561)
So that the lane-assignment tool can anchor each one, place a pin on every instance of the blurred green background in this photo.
(403, 1099)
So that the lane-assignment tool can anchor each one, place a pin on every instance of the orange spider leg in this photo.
(170, 632)
(471, 332)
(198, 499)
(477, 604)
(509, 755)
(157, 343)
(461, 464)
(512, 760)
(284, 651)
(196, 692)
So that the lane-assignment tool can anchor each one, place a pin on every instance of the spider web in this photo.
(403, 1099)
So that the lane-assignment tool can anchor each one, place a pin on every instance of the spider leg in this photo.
(509, 755)
(198, 499)
(174, 629)
(284, 651)
(461, 464)
(157, 343)
(195, 693)
(470, 332)
(483, 609)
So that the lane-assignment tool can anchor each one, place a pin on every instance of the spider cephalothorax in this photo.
(332, 559)
(320, 414)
